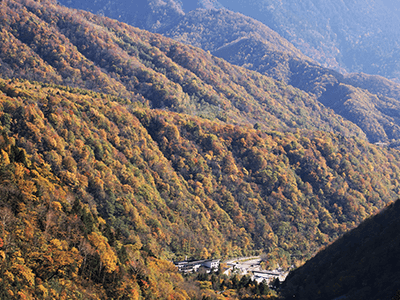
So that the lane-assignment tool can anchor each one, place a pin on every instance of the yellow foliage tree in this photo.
(107, 256)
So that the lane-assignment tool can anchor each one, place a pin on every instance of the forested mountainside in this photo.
(248, 43)
(363, 264)
(371, 102)
(213, 30)
(102, 190)
(54, 244)
(356, 36)
(152, 15)
(122, 150)
(54, 44)
(91, 208)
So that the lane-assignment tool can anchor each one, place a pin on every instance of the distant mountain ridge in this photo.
(110, 57)
(248, 43)
(214, 29)
(354, 36)
(152, 15)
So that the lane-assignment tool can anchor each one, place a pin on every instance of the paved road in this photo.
(243, 260)
(246, 264)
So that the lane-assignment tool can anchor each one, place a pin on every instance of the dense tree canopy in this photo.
(175, 184)
(369, 101)
(87, 51)
(121, 151)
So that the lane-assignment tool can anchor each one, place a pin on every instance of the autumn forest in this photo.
(122, 151)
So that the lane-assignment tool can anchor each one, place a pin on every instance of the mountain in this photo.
(352, 36)
(146, 14)
(113, 58)
(152, 15)
(370, 103)
(122, 150)
(363, 264)
(248, 43)
(111, 190)
(215, 29)
(54, 244)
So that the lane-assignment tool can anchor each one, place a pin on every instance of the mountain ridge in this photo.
(250, 44)
(198, 83)
(352, 37)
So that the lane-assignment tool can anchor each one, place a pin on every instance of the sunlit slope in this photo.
(182, 183)
(371, 102)
(125, 150)
(55, 44)
(54, 244)
(246, 42)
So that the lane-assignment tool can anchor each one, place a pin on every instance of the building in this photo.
(187, 267)
(211, 264)
(269, 276)
(194, 266)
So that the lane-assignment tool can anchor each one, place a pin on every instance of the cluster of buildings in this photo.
(251, 267)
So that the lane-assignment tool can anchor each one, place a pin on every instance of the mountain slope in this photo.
(55, 245)
(151, 15)
(367, 105)
(111, 57)
(109, 185)
(166, 179)
(141, 67)
(248, 43)
(254, 46)
(363, 264)
(199, 28)
(151, 185)
(355, 36)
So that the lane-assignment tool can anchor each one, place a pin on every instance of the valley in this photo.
(123, 150)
